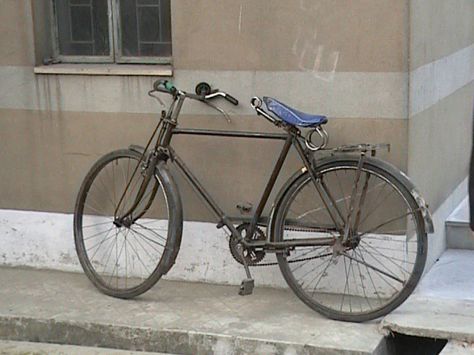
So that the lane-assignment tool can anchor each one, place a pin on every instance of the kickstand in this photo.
(246, 287)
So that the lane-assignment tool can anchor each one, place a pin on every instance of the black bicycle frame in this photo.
(290, 138)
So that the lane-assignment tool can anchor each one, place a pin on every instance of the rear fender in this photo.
(389, 168)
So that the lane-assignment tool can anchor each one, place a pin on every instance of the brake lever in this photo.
(150, 93)
(226, 115)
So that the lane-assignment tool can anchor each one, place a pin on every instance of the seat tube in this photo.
(271, 183)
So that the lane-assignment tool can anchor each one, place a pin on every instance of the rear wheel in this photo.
(377, 267)
(125, 255)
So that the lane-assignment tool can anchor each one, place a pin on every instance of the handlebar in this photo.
(167, 87)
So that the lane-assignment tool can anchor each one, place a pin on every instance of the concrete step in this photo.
(28, 348)
(442, 307)
(458, 348)
(173, 317)
(458, 232)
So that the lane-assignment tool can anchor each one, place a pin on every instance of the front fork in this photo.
(149, 171)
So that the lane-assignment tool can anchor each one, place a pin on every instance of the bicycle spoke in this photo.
(300, 256)
(374, 268)
(139, 237)
(98, 224)
(117, 257)
(137, 240)
(328, 263)
(99, 244)
(345, 286)
(140, 259)
(151, 230)
(388, 222)
(99, 233)
(149, 239)
(110, 253)
(390, 259)
(370, 277)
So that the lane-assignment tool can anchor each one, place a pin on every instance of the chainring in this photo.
(252, 256)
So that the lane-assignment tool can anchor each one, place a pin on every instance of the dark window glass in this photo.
(83, 27)
(145, 28)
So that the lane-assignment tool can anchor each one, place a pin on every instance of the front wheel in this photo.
(377, 265)
(124, 254)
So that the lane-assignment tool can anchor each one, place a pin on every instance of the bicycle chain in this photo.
(290, 261)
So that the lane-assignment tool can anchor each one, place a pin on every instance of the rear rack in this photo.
(361, 148)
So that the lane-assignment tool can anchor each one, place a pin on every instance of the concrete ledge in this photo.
(458, 231)
(142, 339)
(27, 348)
(106, 69)
(458, 348)
(173, 317)
(459, 235)
(442, 306)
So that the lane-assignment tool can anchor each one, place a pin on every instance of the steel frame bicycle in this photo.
(340, 230)
(163, 151)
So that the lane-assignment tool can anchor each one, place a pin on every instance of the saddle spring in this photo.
(324, 139)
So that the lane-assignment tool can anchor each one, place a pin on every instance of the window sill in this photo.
(106, 69)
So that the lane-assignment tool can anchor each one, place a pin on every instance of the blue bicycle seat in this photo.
(292, 116)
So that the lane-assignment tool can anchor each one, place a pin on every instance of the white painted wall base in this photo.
(45, 240)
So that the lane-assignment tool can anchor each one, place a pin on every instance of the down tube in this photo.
(223, 219)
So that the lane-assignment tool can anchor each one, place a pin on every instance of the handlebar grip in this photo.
(168, 85)
(231, 99)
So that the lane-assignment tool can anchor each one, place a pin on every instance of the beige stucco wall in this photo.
(440, 107)
(439, 28)
(347, 60)
(368, 36)
(439, 140)
(16, 40)
(441, 95)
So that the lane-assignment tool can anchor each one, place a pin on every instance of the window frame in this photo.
(115, 45)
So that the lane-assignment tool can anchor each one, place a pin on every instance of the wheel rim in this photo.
(364, 277)
(122, 253)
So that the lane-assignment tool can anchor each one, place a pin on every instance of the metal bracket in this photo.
(245, 207)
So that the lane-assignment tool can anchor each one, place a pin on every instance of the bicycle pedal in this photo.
(246, 287)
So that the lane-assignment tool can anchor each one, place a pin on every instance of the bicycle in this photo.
(349, 230)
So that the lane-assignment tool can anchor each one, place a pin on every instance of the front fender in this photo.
(137, 148)
(166, 178)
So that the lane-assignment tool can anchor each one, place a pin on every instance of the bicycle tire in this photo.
(321, 305)
(164, 183)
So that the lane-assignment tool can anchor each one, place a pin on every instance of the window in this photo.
(112, 31)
